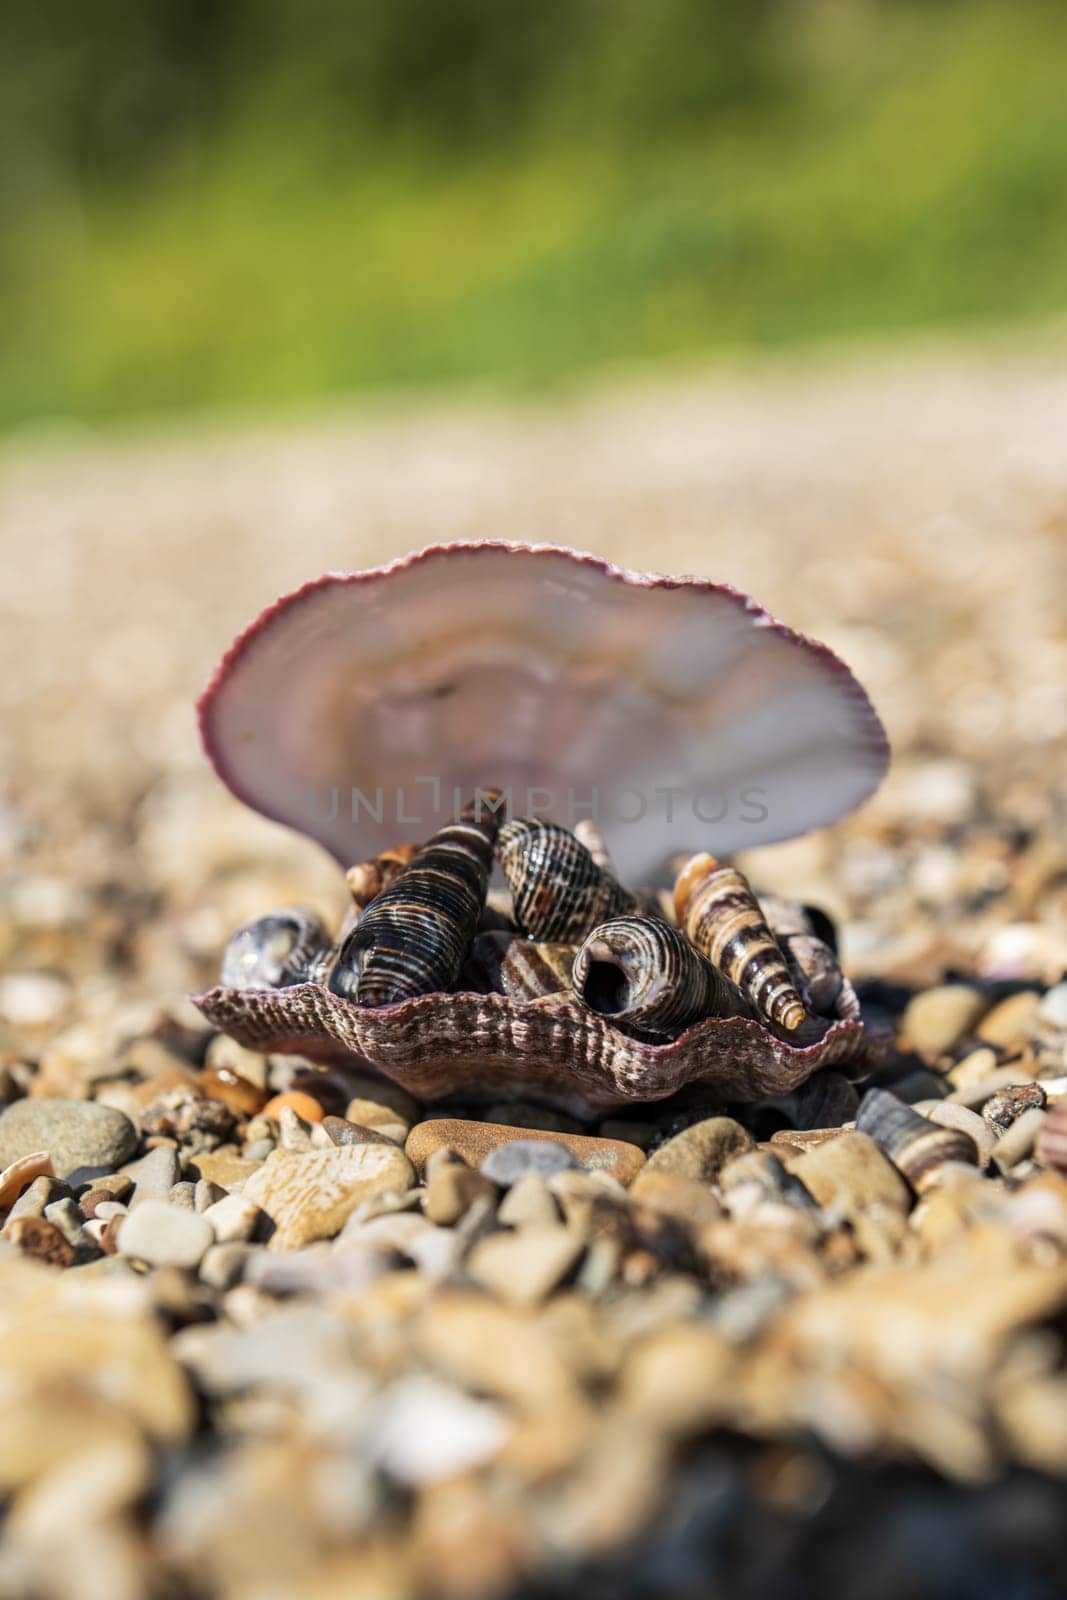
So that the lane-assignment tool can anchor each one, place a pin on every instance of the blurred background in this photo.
(771, 290)
(223, 203)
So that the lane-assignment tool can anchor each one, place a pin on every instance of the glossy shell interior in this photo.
(485, 1048)
(545, 672)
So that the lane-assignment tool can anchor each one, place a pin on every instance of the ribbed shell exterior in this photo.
(505, 963)
(486, 1048)
(659, 982)
(917, 1148)
(412, 939)
(558, 891)
(716, 907)
(272, 951)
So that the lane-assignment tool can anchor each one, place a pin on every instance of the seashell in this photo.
(487, 1048)
(558, 892)
(412, 939)
(354, 708)
(917, 1148)
(280, 948)
(721, 915)
(646, 975)
(503, 963)
(367, 879)
(587, 833)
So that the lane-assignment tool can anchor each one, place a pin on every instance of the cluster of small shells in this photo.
(424, 922)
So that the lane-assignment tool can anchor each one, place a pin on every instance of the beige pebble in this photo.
(949, 1114)
(1012, 1021)
(309, 1194)
(523, 1267)
(852, 1172)
(528, 1202)
(452, 1188)
(701, 1150)
(936, 1018)
(474, 1141)
(1020, 1139)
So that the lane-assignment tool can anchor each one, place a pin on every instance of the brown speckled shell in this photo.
(488, 1048)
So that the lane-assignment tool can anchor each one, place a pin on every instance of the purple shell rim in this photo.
(250, 634)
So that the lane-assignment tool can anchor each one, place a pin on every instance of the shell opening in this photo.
(606, 986)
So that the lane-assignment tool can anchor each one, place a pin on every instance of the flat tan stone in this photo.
(309, 1194)
(474, 1141)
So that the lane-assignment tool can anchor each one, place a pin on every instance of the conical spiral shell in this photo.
(503, 963)
(412, 939)
(646, 975)
(275, 950)
(367, 879)
(917, 1148)
(716, 907)
(559, 892)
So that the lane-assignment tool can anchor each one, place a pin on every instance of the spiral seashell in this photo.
(274, 951)
(917, 1148)
(559, 892)
(503, 963)
(646, 975)
(715, 906)
(412, 939)
(367, 879)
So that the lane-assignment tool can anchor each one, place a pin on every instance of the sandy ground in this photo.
(910, 511)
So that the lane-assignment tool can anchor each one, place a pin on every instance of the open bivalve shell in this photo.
(362, 708)
(355, 708)
(483, 1048)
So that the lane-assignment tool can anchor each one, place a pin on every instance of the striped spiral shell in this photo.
(412, 939)
(503, 963)
(646, 975)
(367, 879)
(716, 907)
(559, 892)
(274, 951)
(917, 1147)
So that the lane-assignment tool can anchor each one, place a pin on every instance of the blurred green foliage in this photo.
(209, 202)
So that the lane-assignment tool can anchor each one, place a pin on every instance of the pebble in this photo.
(688, 1200)
(1053, 1007)
(21, 1174)
(680, 1379)
(340, 1131)
(309, 1195)
(474, 1141)
(529, 1200)
(852, 1172)
(154, 1175)
(948, 1114)
(304, 1105)
(1020, 1139)
(75, 1133)
(1012, 1021)
(39, 1194)
(223, 1265)
(233, 1217)
(522, 1268)
(937, 1018)
(1002, 1108)
(32, 999)
(1052, 1138)
(241, 1095)
(700, 1151)
(452, 1188)
(163, 1235)
(422, 1430)
(379, 1118)
(39, 1238)
(522, 1158)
